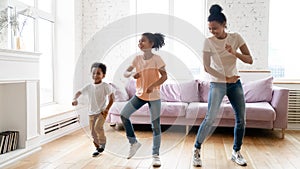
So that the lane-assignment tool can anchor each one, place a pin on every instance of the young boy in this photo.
(97, 92)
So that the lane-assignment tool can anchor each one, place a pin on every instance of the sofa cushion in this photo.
(170, 93)
(260, 111)
(173, 109)
(255, 91)
(120, 95)
(117, 107)
(204, 91)
(131, 87)
(196, 110)
(190, 91)
(168, 109)
(259, 90)
(180, 92)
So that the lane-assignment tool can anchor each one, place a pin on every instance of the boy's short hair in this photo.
(99, 65)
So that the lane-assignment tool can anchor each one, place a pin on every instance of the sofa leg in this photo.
(282, 133)
(187, 129)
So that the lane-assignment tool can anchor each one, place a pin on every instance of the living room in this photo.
(47, 47)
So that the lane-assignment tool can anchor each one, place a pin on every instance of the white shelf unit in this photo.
(19, 101)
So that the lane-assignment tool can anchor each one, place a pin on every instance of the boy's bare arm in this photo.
(111, 100)
(75, 102)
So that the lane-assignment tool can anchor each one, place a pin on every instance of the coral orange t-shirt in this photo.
(149, 73)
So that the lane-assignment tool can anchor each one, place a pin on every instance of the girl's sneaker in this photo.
(156, 161)
(238, 158)
(133, 149)
(196, 158)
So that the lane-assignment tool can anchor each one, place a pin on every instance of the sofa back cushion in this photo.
(254, 91)
(120, 95)
(172, 92)
(258, 90)
(180, 92)
(131, 88)
(190, 91)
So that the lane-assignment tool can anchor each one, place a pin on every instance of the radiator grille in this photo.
(294, 107)
(60, 124)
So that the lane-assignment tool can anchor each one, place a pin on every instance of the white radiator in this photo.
(294, 107)
(60, 124)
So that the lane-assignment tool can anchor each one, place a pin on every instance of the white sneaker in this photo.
(156, 161)
(238, 158)
(133, 148)
(196, 158)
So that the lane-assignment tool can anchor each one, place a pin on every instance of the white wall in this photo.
(91, 17)
(247, 17)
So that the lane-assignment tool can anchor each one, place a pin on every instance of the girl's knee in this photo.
(156, 130)
(240, 124)
(123, 117)
(209, 121)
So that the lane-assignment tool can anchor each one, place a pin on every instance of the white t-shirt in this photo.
(221, 60)
(149, 71)
(97, 95)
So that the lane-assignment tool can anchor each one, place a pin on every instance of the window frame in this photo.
(40, 14)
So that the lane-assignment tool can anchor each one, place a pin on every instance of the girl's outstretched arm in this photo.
(128, 72)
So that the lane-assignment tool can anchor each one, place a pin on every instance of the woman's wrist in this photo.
(128, 73)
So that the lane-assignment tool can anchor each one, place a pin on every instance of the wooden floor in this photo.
(263, 149)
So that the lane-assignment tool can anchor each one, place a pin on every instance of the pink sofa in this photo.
(186, 104)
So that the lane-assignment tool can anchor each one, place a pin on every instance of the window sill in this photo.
(57, 109)
(293, 82)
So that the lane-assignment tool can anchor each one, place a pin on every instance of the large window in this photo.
(192, 12)
(29, 27)
(46, 60)
(44, 44)
(284, 40)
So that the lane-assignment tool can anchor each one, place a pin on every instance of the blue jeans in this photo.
(235, 94)
(134, 104)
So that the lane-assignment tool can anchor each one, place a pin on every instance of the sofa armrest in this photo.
(280, 103)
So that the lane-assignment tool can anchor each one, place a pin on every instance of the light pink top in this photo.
(149, 73)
